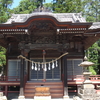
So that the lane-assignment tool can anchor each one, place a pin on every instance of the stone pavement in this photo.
(51, 99)
(14, 96)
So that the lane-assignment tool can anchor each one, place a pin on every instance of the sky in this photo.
(16, 3)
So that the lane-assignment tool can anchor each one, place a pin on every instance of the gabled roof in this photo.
(60, 17)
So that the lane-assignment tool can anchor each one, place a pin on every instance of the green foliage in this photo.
(91, 69)
(92, 54)
(28, 6)
(67, 6)
(92, 14)
(92, 10)
(48, 5)
(2, 57)
(40, 2)
(5, 13)
(5, 10)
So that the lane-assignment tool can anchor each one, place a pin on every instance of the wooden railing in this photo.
(76, 78)
(80, 78)
(9, 78)
(94, 77)
(70, 78)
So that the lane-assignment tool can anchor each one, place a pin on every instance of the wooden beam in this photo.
(41, 46)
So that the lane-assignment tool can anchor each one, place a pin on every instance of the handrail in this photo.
(9, 78)
(81, 78)
(94, 77)
(70, 78)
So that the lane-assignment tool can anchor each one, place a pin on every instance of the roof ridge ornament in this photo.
(42, 9)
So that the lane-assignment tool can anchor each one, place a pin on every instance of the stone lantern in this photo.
(85, 64)
(87, 91)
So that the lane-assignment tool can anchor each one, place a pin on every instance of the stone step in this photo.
(56, 89)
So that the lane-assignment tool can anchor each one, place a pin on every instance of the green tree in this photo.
(67, 6)
(2, 58)
(48, 5)
(5, 13)
(40, 2)
(5, 10)
(28, 6)
(98, 57)
(92, 54)
(92, 14)
(92, 10)
(25, 7)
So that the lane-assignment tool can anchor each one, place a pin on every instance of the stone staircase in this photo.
(56, 89)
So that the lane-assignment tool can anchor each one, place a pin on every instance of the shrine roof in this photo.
(60, 17)
(95, 25)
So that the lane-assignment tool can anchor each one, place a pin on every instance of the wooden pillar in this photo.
(78, 88)
(6, 90)
(22, 77)
(21, 95)
(65, 77)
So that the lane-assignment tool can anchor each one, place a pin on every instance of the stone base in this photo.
(85, 86)
(66, 97)
(21, 97)
(3, 98)
(42, 97)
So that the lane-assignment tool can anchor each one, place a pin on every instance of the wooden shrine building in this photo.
(44, 49)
